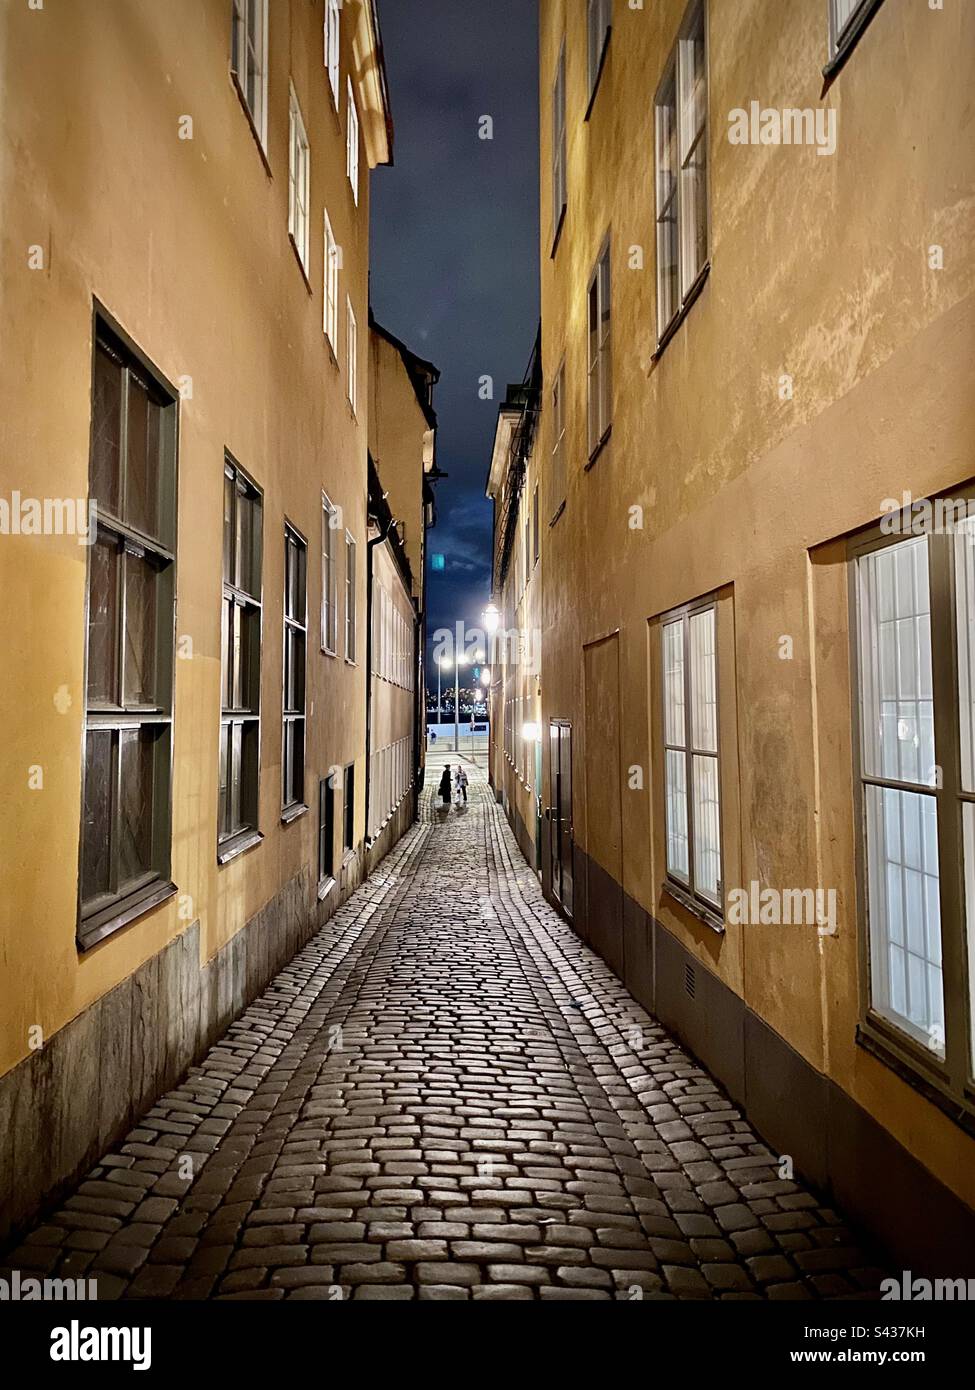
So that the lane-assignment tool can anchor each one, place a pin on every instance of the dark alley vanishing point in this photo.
(447, 1096)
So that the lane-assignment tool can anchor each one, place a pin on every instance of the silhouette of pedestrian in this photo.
(445, 786)
(461, 785)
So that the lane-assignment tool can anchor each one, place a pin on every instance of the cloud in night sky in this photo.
(455, 245)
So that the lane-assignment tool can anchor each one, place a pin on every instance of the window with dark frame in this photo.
(240, 657)
(681, 141)
(126, 818)
(536, 539)
(558, 441)
(600, 363)
(326, 829)
(914, 598)
(348, 809)
(248, 59)
(599, 21)
(559, 156)
(847, 20)
(691, 769)
(293, 680)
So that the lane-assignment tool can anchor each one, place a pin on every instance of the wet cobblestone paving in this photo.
(446, 1095)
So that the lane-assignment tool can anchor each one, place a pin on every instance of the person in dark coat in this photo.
(445, 786)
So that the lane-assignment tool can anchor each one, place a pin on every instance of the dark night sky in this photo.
(455, 245)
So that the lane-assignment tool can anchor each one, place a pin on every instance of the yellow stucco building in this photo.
(186, 250)
(757, 335)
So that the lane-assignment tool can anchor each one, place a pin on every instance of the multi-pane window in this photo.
(326, 829)
(600, 18)
(559, 157)
(352, 355)
(558, 439)
(348, 809)
(248, 59)
(350, 597)
(240, 656)
(332, 47)
(330, 597)
(299, 174)
(681, 122)
(916, 682)
(600, 357)
(390, 777)
(293, 675)
(352, 144)
(536, 539)
(691, 780)
(332, 266)
(132, 480)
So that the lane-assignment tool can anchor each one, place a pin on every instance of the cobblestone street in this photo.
(447, 1096)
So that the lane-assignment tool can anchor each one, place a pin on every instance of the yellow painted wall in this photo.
(819, 270)
(186, 243)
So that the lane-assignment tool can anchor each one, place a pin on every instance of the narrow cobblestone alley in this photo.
(447, 1096)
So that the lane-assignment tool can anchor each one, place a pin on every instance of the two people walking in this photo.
(461, 785)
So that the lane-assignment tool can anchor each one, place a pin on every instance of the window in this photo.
(293, 681)
(915, 601)
(299, 165)
(558, 440)
(681, 118)
(326, 830)
(691, 780)
(333, 264)
(352, 145)
(240, 660)
(248, 59)
(535, 535)
(348, 810)
(332, 47)
(350, 597)
(131, 605)
(330, 598)
(599, 23)
(352, 350)
(847, 20)
(559, 182)
(600, 366)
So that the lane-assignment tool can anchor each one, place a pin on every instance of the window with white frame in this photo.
(248, 59)
(915, 645)
(558, 440)
(332, 266)
(691, 773)
(600, 360)
(240, 658)
(845, 22)
(352, 144)
(331, 525)
(599, 21)
(352, 355)
(299, 175)
(332, 47)
(559, 159)
(350, 597)
(293, 675)
(681, 135)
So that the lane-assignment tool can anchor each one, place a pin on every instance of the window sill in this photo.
(250, 121)
(293, 812)
(237, 844)
(329, 651)
(325, 887)
(351, 661)
(599, 73)
(849, 42)
(301, 263)
(349, 856)
(557, 235)
(691, 299)
(696, 908)
(557, 513)
(872, 1039)
(330, 346)
(121, 914)
(599, 447)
